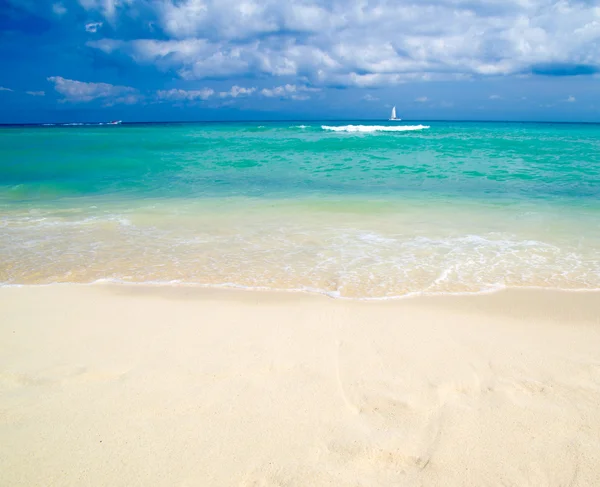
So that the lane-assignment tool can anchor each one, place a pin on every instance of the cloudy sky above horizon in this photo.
(144, 60)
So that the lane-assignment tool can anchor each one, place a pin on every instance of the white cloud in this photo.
(422, 99)
(288, 91)
(278, 91)
(369, 97)
(108, 8)
(5, 89)
(36, 93)
(494, 97)
(59, 9)
(93, 26)
(106, 45)
(79, 91)
(181, 95)
(236, 91)
(358, 42)
(571, 99)
(130, 99)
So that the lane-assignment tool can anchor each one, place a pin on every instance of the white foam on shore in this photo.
(493, 289)
(44, 221)
(374, 128)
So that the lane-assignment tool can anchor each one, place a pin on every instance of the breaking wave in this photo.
(374, 128)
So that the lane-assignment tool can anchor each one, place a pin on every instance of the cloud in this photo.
(181, 95)
(93, 26)
(571, 99)
(32, 93)
(236, 91)
(288, 91)
(495, 97)
(358, 43)
(130, 99)
(107, 46)
(108, 8)
(82, 92)
(369, 97)
(422, 99)
(59, 9)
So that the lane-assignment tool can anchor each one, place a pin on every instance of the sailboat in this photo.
(393, 115)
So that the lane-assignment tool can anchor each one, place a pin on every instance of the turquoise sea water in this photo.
(350, 209)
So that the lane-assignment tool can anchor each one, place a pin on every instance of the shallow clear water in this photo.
(351, 209)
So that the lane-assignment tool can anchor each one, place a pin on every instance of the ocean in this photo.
(350, 209)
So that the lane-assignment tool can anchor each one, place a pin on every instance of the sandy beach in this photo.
(164, 386)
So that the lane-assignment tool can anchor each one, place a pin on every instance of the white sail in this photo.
(393, 115)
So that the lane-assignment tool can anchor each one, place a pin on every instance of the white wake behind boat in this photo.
(393, 115)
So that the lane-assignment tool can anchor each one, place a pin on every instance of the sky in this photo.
(187, 60)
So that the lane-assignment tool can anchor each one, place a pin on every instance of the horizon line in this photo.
(157, 122)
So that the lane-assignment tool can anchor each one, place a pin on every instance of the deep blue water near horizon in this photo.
(350, 208)
(98, 123)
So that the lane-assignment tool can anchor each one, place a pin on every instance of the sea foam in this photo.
(374, 128)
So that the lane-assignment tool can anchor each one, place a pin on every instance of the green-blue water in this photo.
(348, 208)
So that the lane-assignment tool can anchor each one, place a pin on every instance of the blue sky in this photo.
(151, 60)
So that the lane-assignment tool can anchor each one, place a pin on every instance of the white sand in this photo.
(133, 386)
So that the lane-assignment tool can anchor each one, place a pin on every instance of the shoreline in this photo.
(127, 385)
(104, 282)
